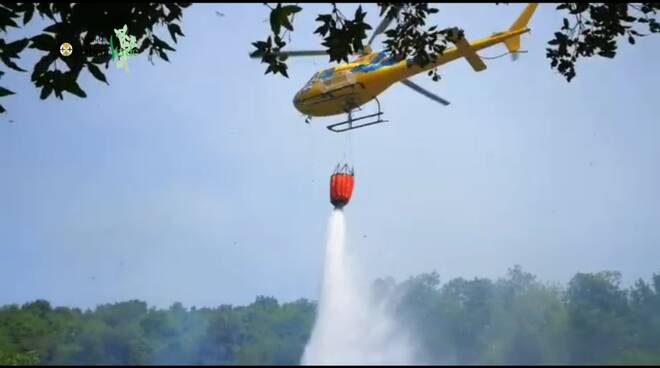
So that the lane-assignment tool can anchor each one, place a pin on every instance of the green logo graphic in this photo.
(128, 46)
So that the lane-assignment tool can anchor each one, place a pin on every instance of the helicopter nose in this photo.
(296, 100)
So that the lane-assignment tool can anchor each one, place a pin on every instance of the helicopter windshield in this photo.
(383, 58)
(311, 81)
(327, 73)
(379, 57)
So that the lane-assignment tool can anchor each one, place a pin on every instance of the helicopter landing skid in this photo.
(349, 124)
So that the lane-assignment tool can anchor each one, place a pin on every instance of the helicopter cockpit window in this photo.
(378, 58)
(383, 58)
(326, 74)
(311, 81)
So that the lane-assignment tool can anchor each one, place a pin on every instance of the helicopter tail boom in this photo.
(513, 43)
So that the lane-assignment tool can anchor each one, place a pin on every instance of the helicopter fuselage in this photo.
(345, 87)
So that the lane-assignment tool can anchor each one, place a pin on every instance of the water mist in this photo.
(350, 327)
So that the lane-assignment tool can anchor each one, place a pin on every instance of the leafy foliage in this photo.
(279, 17)
(512, 320)
(80, 24)
(409, 39)
(595, 31)
(342, 36)
(29, 358)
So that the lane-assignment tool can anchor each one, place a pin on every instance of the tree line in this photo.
(515, 319)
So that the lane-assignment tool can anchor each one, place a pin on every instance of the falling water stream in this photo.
(350, 327)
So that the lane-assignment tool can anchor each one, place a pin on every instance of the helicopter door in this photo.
(326, 79)
(342, 79)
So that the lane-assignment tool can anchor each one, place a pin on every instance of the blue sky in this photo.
(197, 180)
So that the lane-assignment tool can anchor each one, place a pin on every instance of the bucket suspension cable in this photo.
(344, 169)
(348, 148)
(343, 177)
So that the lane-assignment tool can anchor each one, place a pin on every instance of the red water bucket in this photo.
(341, 186)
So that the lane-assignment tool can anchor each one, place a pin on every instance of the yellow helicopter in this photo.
(344, 88)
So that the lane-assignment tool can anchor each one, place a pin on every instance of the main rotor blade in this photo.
(426, 93)
(381, 27)
(297, 53)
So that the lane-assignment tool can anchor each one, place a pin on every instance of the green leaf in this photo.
(102, 58)
(97, 73)
(160, 44)
(631, 39)
(322, 30)
(5, 92)
(279, 42)
(2, 109)
(53, 28)
(44, 8)
(276, 19)
(287, 24)
(46, 91)
(326, 18)
(163, 55)
(607, 53)
(42, 65)
(8, 22)
(175, 12)
(11, 64)
(282, 70)
(146, 43)
(579, 8)
(359, 14)
(28, 14)
(43, 42)
(16, 47)
(291, 9)
(58, 92)
(288, 11)
(279, 17)
(75, 89)
(174, 30)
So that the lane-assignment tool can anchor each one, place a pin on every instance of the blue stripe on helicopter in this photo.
(365, 68)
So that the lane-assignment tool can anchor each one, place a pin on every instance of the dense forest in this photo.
(512, 320)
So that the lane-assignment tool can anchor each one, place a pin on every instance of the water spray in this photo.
(350, 327)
